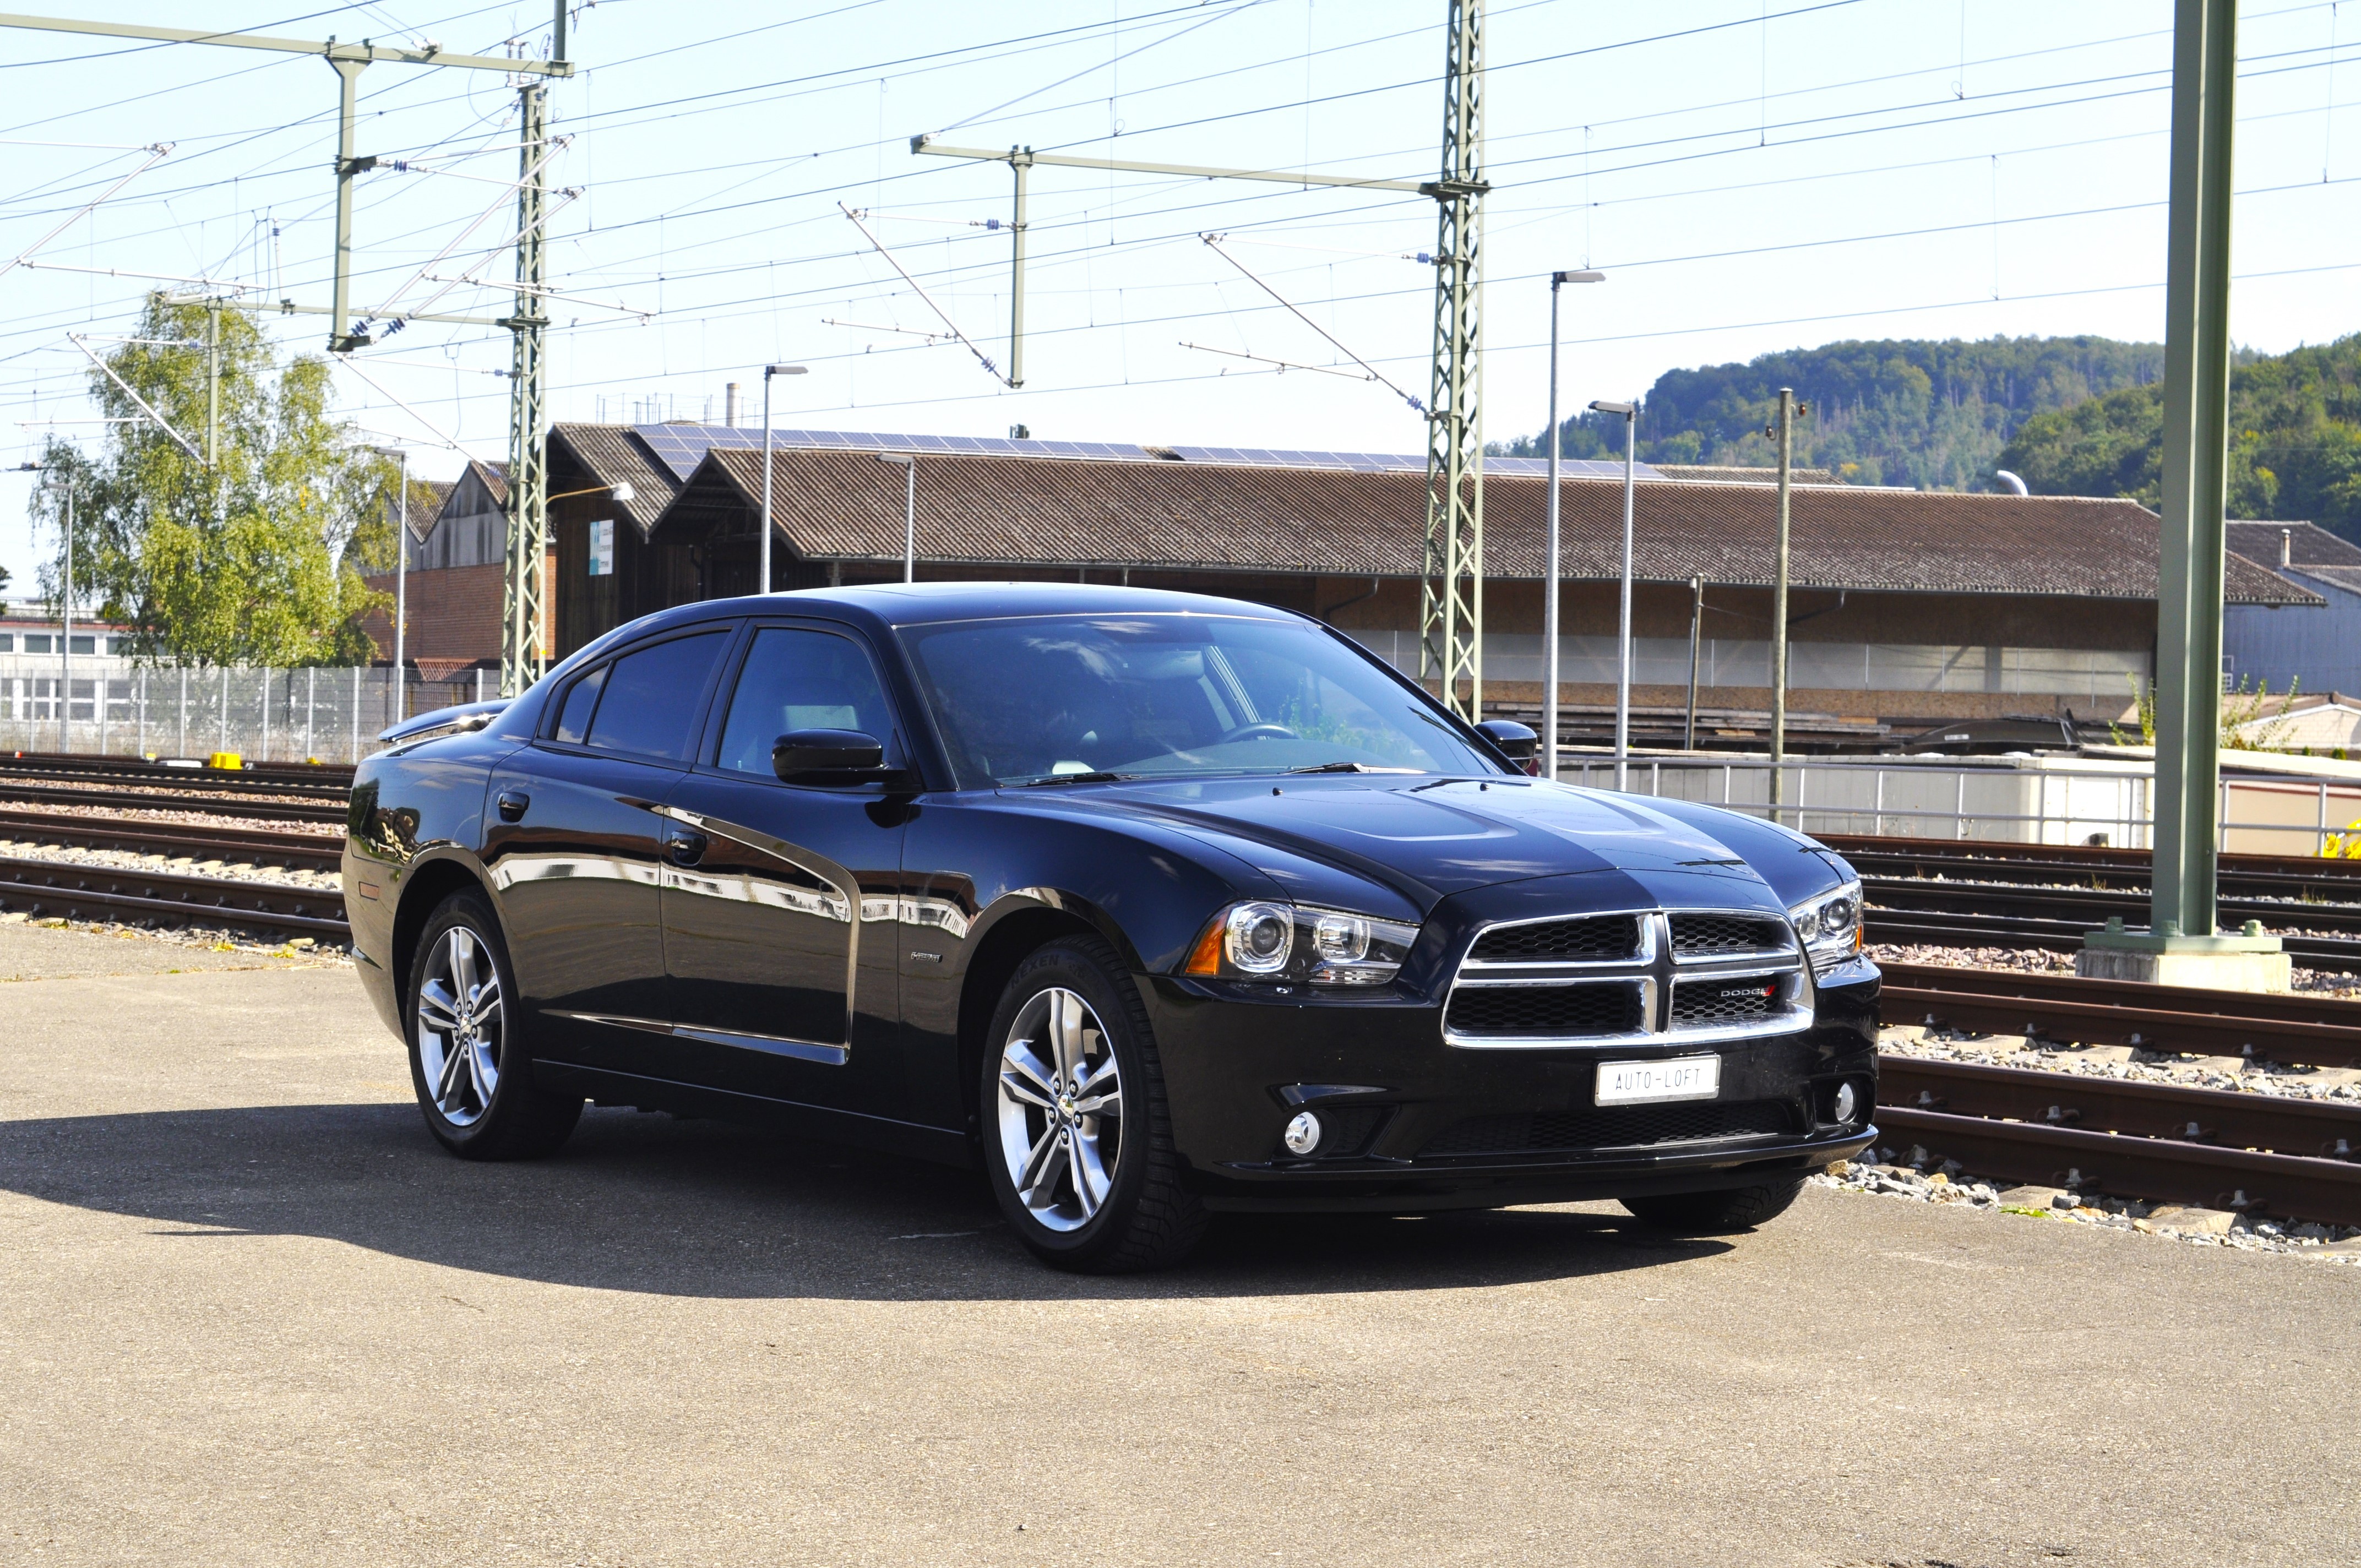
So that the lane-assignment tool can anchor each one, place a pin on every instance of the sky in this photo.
(736, 187)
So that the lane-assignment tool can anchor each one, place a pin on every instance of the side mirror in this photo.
(826, 756)
(1516, 742)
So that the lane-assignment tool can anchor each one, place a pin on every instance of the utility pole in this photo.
(1451, 588)
(1782, 432)
(1696, 625)
(1551, 566)
(65, 642)
(524, 614)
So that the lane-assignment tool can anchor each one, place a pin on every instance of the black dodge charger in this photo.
(1150, 904)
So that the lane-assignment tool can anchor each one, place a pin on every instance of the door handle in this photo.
(683, 849)
(512, 805)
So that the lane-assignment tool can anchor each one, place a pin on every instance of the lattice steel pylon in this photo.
(524, 610)
(1451, 596)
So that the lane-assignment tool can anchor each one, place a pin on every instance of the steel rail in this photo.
(2334, 886)
(131, 834)
(146, 800)
(2081, 856)
(58, 888)
(1917, 894)
(2289, 1185)
(219, 780)
(1936, 927)
(2323, 1033)
(2278, 1123)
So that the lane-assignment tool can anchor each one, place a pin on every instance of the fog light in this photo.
(1303, 1134)
(1846, 1102)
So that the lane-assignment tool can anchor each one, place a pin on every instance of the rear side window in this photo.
(573, 719)
(649, 707)
(800, 680)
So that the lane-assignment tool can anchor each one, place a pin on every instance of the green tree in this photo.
(2294, 451)
(249, 561)
(1926, 414)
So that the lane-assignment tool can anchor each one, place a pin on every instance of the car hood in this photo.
(1428, 839)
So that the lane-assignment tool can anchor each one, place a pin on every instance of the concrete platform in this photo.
(251, 1314)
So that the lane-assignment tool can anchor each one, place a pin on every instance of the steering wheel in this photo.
(1260, 732)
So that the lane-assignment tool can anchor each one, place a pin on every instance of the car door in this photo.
(780, 901)
(574, 841)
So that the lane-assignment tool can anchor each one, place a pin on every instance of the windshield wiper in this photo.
(1076, 778)
(1350, 768)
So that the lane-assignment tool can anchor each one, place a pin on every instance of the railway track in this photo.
(45, 888)
(1943, 928)
(272, 777)
(2264, 878)
(2289, 1156)
(138, 836)
(133, 798)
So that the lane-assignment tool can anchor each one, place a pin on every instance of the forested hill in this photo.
(2295, 440)
(1929, 414)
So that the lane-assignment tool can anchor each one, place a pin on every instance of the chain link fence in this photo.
(113, 705)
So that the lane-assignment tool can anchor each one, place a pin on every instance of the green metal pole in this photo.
(1785, 430)
(2196, 424)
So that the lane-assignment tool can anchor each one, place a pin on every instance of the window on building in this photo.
(83, 644)
(118, 644)
(39, 642)
(7, 642)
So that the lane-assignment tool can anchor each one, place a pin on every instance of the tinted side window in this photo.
(800, 680)
(649, 705)
(573, 719)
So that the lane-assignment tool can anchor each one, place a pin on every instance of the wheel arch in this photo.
(428, 883)
(1027, 923)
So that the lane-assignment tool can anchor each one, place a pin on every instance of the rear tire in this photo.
(1078, 1145)
(1718, 1212)
(467, 1059)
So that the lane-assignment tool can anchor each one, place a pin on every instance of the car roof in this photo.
(919, 604)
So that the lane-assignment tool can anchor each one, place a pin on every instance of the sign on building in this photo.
(602, 548)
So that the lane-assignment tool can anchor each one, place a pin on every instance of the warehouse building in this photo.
(1907, 605)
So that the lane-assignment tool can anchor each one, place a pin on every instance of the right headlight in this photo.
(1830, 924)
(1266, 940)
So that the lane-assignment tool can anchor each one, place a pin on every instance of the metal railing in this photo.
(111, 705)
(2001, 800)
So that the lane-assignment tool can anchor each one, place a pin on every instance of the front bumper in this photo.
(1425, 1126)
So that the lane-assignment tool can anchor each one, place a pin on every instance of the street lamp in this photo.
(1631, 412)
(65, 641)
(762, 555)
(909, 512)
(1550, 572)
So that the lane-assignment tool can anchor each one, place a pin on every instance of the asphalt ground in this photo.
(249, 1313)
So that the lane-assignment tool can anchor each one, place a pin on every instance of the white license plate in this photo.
(1641, 1082)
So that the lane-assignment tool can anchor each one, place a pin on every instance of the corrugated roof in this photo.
(613, 454)
(991, 511)
(2313, 551)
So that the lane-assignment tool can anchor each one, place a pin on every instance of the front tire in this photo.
(1716, 1213)
(1078, 1146)
(467, 1063)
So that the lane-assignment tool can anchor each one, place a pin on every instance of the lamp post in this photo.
(1550, 569)
(762, 555)
(1631, 412)
(909, 512)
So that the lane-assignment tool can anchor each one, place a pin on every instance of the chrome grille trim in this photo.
(1658, 971)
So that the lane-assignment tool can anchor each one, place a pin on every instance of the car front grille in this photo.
(1696, 935)
(1630, 977)
(1546, 1011)
(1701, 1003)
(1588, 939)
(1619, 1127)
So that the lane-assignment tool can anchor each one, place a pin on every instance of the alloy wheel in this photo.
(459, 1026)
(1060, 1109)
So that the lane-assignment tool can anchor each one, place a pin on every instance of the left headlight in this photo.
(1830, 924)
(1266, 940)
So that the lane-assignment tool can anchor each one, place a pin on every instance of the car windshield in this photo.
(1037, 700)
